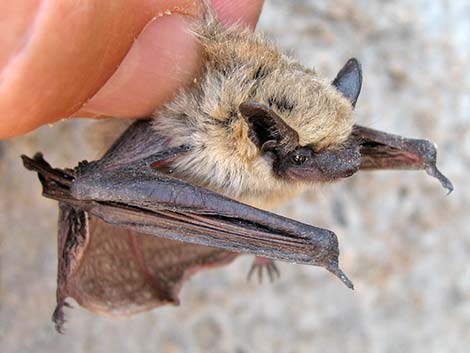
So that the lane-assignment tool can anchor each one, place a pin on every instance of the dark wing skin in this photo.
(113, 270)
(129, 193)
(120, 202)
(121, 220)
(381, 150)
(151, 203)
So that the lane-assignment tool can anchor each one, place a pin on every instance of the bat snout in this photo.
(331, 165)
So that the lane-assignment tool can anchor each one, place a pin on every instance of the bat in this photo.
(190, 187)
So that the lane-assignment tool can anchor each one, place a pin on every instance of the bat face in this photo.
(306, 163)
(295, 162)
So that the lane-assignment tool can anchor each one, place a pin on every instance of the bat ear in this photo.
(267, 129)
(349, 80)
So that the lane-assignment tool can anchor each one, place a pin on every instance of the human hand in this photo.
(120, 58)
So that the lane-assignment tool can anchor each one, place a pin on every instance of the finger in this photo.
(163, 59)
(57, 54)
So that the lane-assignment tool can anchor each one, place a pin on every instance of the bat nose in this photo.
(342, 171)
(340, 164)
(350, 166)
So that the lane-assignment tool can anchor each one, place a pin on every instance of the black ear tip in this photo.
(348, 81)
(354, 63)
(352, 66)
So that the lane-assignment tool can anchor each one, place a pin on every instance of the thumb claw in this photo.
(432, 170)
(334, 269)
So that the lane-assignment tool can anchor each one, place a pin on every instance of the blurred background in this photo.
(404, 243)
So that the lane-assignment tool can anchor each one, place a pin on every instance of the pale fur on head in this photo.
(241, 66)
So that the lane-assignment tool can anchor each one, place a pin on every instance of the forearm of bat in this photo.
(139, 198)
(380, 150)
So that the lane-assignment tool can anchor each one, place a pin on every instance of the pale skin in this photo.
(61, 59)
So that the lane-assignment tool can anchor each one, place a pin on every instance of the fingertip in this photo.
(164, 57)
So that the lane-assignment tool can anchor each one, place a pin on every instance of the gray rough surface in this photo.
(404, 243)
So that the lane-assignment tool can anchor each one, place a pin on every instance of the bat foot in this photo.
(261, 264)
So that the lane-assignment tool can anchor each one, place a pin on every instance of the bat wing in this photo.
(381, 150)
(113, 270)
(119, 217)
(140, 199)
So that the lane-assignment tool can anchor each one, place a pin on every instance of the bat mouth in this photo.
(316, 175)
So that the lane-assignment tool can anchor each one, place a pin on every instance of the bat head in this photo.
(311, 145)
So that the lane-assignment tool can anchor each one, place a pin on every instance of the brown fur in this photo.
(241, 66)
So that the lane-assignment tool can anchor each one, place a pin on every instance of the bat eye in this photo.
(299, 159)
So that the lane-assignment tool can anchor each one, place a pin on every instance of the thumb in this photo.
(163, 58)
(61, 53)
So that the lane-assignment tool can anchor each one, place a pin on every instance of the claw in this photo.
(273, 271)
(258, 266)
(432, 170)
(334, 269)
